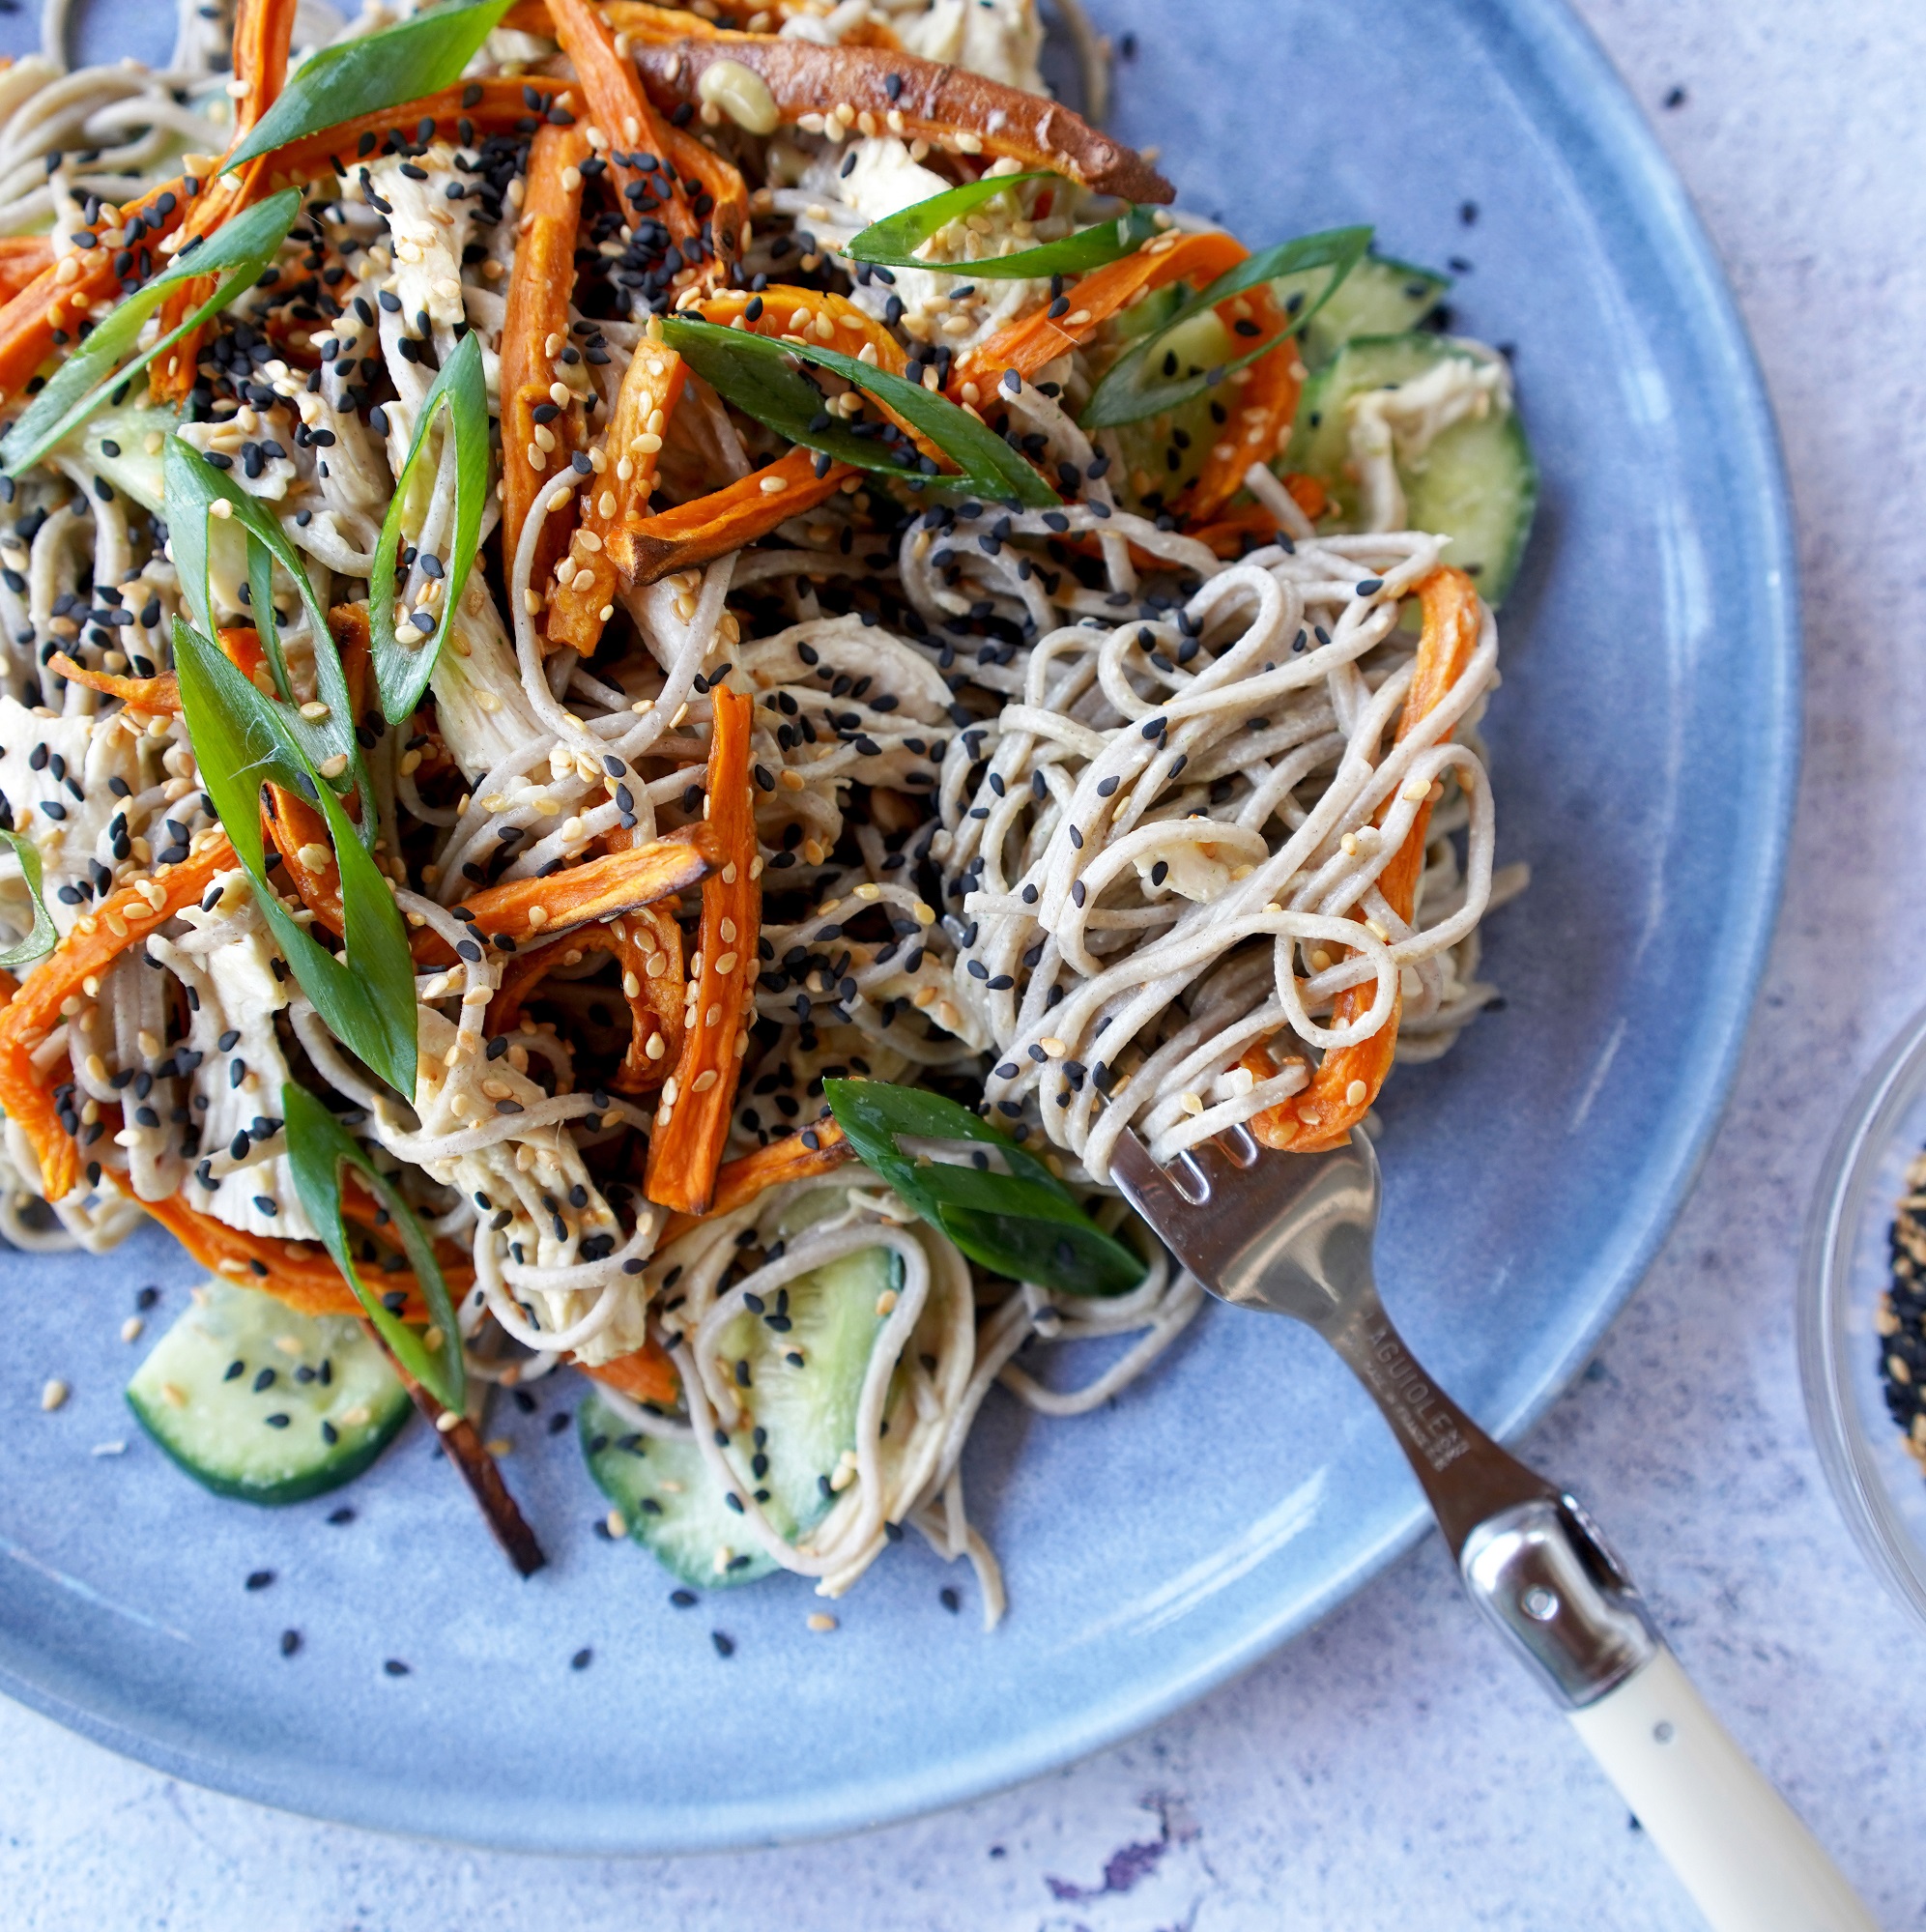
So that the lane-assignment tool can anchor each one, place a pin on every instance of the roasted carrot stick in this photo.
(59, 299)
(901, 94)
(582, 602)
(692, 1122)
(793, 1158)
(725, 520)
(649, 944)
(1028, 344)
(263, 30)
(1263, 400)
(1348, 1079)
(90, 948)
(21, 258)
(662, 24)
(463, 113)
(534, 334)
(620, 108)
(598, 889)
(648, 1376)
(300, 1272)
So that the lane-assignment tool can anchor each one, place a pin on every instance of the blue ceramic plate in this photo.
(1644, 747)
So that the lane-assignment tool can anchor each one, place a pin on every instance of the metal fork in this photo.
(1292, 1234)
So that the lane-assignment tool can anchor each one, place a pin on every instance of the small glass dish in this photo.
(1844, 1268)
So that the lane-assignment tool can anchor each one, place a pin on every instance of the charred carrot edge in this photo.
(692, 1122)
(299, 1273)
(1262, 402)
(160, 695)
(539, 284)
(1028, 344)
(655, 1000)
(602, 889)
(1323, 1116)
(582, 602)
(47, 306)
(94, 941)
(1224, 534)
(21, 258)
(621, 110)
(694, 161)
(725, 520)
(645, 1375)
(948, 106)
(820, 1149)
(263, 32)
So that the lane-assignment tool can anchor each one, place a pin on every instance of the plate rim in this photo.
(1593, 100)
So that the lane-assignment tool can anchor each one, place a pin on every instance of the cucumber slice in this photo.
(1163, 454)
(1381, 296)
(801, 1422)
(212, 1389)
(113, 444)
(1475, 483)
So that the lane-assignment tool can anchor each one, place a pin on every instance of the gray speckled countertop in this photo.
(1394, 1766)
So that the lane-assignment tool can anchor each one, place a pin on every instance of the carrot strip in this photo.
(692, 1122)
(160, 695)
(739, 1181)
(1027, 345)
(534, 332)
(21, 258)
(90, 948)
(582, 602)
(645, 1375)
(948, 106)
(648, 936)
(617, 102)
(602, 889)
(49, 311)
(462, 114)
(725, 520)
(300, 1272)
(1348, 1079)
(263, 31)
(662, 24)
(1264, 401)
(1224, 534)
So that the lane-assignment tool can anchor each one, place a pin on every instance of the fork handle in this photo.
(1736, 1845)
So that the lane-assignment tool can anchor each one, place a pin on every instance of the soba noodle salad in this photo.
(660, 668)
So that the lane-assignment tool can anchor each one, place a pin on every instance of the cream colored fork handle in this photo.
(1738, 1847)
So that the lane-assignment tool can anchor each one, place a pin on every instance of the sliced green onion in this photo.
(401, 669)
(1025, 1224)
(319, 1147)
(372, 74)
(42, 939)
(895, 238)
(1125, 395)
(193, 486)
(238, 251)
(241, 741)
(754, 372)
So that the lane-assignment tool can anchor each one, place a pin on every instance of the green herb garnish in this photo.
(402, 668)
(193, 486)
(1025, 1224)
(319, 1147)
(42, 939)
(756, 374)
(371, 75)
(1128, 393)
(238, 252)
(243, 740)
(894, 240)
